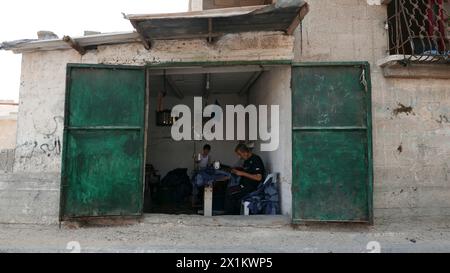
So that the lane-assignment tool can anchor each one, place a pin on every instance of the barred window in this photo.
(419, 29)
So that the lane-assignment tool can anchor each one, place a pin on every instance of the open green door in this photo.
(331, 142)
(102, 171)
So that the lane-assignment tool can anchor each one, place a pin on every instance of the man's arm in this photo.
(255, 177)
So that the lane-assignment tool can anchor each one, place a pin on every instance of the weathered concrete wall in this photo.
(274, 88)
(31, 192)
(411, 151)
(411, 148)
(8, 128)
(41, 115)
(29, 197)
(6, 160)
(231, 47)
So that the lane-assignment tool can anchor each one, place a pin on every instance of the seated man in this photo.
(204, 159)
(251, 175)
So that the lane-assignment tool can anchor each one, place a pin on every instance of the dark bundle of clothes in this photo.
(177, 184)
(265, 200)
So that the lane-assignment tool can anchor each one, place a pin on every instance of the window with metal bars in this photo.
(419, 29)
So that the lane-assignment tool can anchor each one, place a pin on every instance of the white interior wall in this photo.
(166, 154)
(274, 88)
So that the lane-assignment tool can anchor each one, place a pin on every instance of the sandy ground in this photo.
(164, 233)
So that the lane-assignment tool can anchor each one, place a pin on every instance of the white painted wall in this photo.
(274, 88)
(41, 113)
(31, 193)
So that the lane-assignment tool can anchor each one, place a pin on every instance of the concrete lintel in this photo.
(417, 71)
(393, 67)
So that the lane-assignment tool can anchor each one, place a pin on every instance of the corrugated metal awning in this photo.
(281, 16)
(84, 42)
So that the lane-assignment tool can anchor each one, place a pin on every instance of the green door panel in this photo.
(106, 97)
(103, 173)
(332, 165)
(332, 142)
(103, 149)
(333, 97)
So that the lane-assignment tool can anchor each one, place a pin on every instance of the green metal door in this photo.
(103, 152)
(332, 143)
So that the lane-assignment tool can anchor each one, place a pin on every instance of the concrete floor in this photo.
(181, 233)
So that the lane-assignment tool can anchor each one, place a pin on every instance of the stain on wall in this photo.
(402, 109)
(442, 119)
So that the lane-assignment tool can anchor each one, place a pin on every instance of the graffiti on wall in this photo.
(33, 148)
(44, 149)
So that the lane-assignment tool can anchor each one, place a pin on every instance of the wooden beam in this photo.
(189, 36)
(147, 44)
(73, 44)
(250, 83)
(203, 70)
(298, 19)
(174, 88)
(9, 103)
(210, 30)
(225, 12)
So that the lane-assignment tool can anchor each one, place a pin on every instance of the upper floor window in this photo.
(419, 29)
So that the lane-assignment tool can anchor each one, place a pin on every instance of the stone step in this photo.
(222, 220)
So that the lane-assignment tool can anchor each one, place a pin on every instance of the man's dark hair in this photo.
(207, 147)
(242, 148)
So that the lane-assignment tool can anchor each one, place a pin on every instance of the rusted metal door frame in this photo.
(366, 82)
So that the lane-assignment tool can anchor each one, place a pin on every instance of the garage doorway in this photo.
(170, 186)
(116, 151)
